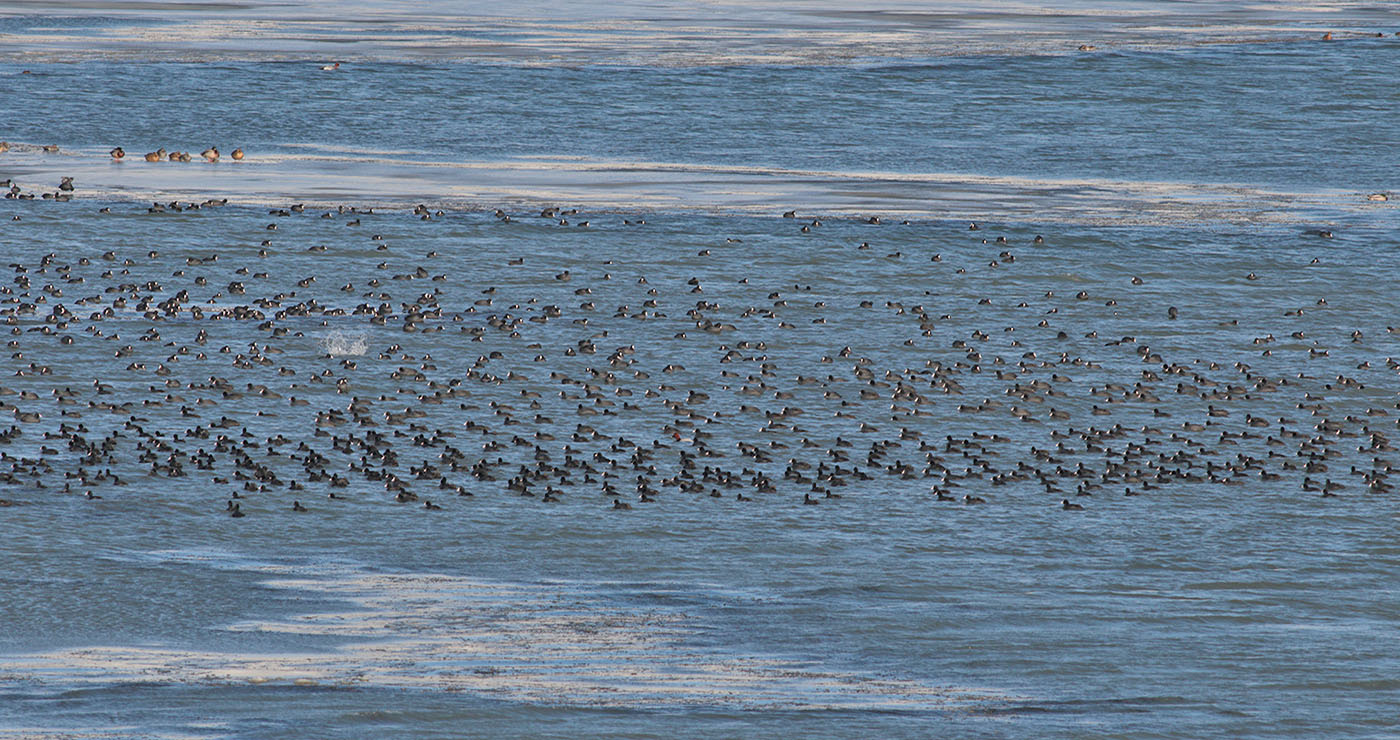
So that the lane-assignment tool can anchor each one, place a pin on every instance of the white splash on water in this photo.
(343, 344)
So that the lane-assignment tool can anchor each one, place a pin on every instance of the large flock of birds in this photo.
(393, 375)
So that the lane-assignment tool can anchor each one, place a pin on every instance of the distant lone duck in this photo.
(969, 499)
(617, 504)
(1378, 197)
(1067, 506)
(66, 184)
(808, 500)
(118, 153)
(296, 506)
(50, 148)
(1087, 47)
(235, 510)
(330, 67)
(211, 154)
(237, 155)
(4, 147)
(1327, 36)
(156, 155)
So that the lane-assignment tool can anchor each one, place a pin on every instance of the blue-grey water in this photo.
(1014, 271)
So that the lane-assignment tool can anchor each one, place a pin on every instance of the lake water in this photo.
(1014, 270)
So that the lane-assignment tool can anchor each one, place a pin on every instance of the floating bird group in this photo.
(209, 155)
(363, 367)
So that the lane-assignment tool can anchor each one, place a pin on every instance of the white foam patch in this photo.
(532, 643)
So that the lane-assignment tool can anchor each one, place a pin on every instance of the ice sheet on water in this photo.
(552, 643)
